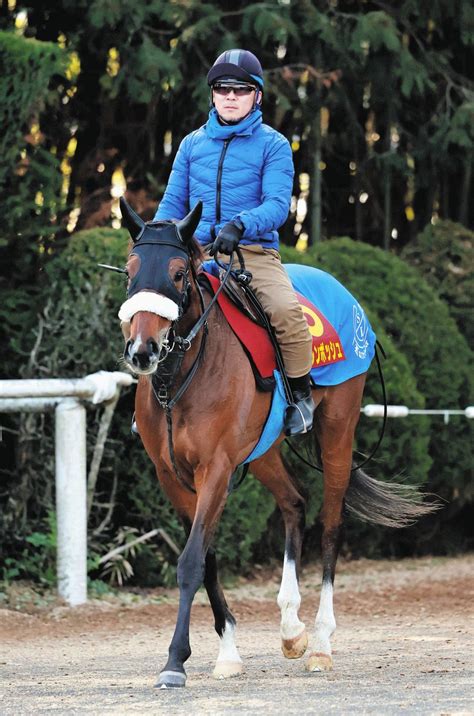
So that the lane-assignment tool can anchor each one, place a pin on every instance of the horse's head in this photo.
(159, 286)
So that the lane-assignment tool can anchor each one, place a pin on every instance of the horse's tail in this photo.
(385, 503)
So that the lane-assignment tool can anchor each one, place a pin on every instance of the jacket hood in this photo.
(216, 130)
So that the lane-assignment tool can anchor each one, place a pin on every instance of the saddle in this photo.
(259, 344)
(252, 328)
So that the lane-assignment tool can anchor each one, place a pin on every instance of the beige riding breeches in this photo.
(273, 288)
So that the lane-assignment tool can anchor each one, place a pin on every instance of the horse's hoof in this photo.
(227, 669)
(171, 680)
(296, 647)
(319, 662)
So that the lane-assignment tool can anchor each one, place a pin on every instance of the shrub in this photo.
(30, 183)
(444, 254)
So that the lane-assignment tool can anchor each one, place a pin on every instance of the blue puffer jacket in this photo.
(242, 171)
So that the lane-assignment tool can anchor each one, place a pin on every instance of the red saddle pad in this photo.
(255, 339)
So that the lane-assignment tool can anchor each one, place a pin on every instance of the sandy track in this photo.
(403, 645)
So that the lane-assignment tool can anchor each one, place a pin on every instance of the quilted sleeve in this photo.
(175, 201)
(277, 184)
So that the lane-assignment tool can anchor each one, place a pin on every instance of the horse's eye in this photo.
(179, 275)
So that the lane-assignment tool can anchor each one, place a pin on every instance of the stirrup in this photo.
(299, 415)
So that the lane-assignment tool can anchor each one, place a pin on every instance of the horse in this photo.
(216, 419)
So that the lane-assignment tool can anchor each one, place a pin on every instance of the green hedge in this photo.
(444, 255)
(30, 183)
(27, 68)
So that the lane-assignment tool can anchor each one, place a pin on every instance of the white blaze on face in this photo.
(151, 302)
(289, 601)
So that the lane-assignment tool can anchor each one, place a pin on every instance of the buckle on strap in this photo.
(243, 276)
(162, 396)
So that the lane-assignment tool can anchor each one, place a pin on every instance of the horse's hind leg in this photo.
(228, 661)
(336, 421)
(271, 471)
(203, 511)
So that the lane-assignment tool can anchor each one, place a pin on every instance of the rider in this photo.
(242, 170)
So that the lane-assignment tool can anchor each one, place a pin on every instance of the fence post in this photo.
(71, 500)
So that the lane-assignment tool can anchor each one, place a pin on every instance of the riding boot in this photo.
(299, 414)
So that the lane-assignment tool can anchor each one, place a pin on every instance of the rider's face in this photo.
(232, 108)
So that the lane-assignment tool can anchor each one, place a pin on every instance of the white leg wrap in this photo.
(325, 621)
(289, 601)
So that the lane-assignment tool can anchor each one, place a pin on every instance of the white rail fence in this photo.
(66, 397)
(403, 411)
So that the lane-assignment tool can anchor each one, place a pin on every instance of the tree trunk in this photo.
(358, 207)
(387, 205)
(463, 216)
(315, 186)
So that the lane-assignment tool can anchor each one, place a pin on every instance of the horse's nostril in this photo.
(152, 347)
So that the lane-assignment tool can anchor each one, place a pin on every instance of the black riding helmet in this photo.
(238, 64)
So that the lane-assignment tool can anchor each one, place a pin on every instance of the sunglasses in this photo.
(240, 90)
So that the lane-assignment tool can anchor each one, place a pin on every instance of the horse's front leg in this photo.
(212, 493)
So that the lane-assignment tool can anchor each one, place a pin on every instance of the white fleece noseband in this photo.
(151, 302)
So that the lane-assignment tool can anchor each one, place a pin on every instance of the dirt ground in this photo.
(403, 645)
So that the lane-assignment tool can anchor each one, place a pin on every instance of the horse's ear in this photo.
(188, 225)
(131, 219)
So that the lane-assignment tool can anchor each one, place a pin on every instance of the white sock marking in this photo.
(228, 650)
(325, 622)
(289, 601)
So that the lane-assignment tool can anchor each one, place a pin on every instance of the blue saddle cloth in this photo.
(348, 318)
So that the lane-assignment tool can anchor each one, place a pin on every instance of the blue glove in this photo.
(227, 239)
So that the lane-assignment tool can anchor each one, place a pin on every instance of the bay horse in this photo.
(214, 425)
